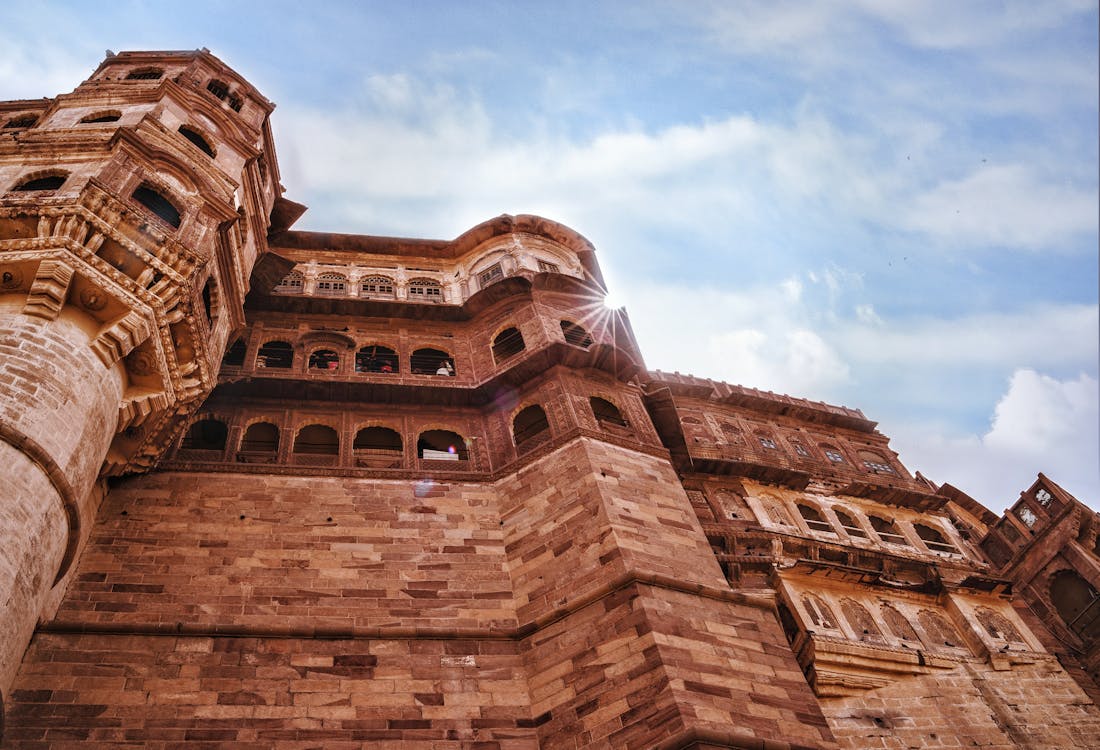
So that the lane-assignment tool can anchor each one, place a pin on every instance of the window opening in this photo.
(767, 442)
(530, 426)
(849, 524)
(275, 354)
(778, 514)
(425, 290)
(879, 468)
(575, 334)
(218, 88)
(208, 300)
(939, 630)
(324, 359)
(442, 445)
(145, 74)
(234, 355)
(508, 343)
(197, 139)
(1077, 603)
(49, 182)
(800, 449)
(317, 439)
(820, 614)
(206, 435)
(934, 540)
(376, 286)
(22, 121)
(833, 454)
(292, 283)
(376, 359)
(431, 362)
(606, 412)
(998, 626)
(546, 266)
(1043, 497)
(261, 437)
(489, 275)
(898, 624)
(332, 284)
(378, 448)
(158, 204)
(100, 117)
(887, 531)
(860, 620)
(814, 519)
(1027, 515)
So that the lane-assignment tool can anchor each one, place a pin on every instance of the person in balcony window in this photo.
(445, 368)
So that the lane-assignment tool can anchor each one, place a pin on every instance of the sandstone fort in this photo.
(268, 488)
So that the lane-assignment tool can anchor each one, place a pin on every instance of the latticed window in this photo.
(332, 284)
(998, 626)
(939, 630)
(833, 455)
(376, 286)
(897, 624)
(145, 74)
(887, 531)
(820, 614)
(292, 283)
(860, 620)
(546, 266)
(425, 290)
(800, 449)
(777, 514)
(575, 334)
(767, 442)
(879, 468)
(849, 524)
(489, 275)
(934, 540)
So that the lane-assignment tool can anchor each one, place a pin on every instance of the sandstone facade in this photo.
(272, 488)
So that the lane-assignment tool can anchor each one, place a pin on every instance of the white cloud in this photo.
(1040, 424)
(1003, 205)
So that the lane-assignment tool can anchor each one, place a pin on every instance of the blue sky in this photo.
(886, 204)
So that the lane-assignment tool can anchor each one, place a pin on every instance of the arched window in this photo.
(197, 139)
(833, 454)
(730, 432)
(441, 445)
(818, 611)
(799, 448)
(861, 621)
(21, 121)
(376, 286)
(898, 625)
(210, 299)
(876, 463)
(45, 182)
(849, 524)
(530, 427)
(376, 358)
(317, 439)
(887, 531)
(220, 89)
(934, 540)
(508, 343)
(431, 362)
(260, 438)
(546, 266)
(324, 359)
(940, 632)
(292, 283)
(275, 354)
(777, 513)
(1076, 601)
(425, 290)
(332, 284)
(607, 413)
(766, 441)
(378, 448)
(575, 334)
(160, 206)
(491, 274)
(814, 519)
(997, 625)
(145, 74)
(206, 435)
(234, 355)
(112, 115)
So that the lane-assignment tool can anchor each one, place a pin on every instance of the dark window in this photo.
(529, 425)
(102, 117)
(575, 334)
(442, 445)
(332, 284)
(317, 439)
(158, 204)
(377, 438)
(23, 121)
(376, 286)
(262, 437)
(145, 74)
(324, 359)
(508, 343)
(1077, 603)
(218, 88)
(606, 412)
(425, 290)
(887, 531)
(548, 267)
(814, 519)
(234, 355)
(376, 359)
(275, 354)
(208, 300)
(933, 539)
(849, 524)
(489, 275)
(49, 182)
(207, 435)
(431, 362)
(197, 139)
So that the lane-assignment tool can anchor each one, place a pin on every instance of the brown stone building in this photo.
(270, 488)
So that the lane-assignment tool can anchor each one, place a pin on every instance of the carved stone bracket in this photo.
(49, 290)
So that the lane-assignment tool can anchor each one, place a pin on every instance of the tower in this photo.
(133, 211)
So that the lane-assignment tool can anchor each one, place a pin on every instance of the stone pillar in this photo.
(58, 412)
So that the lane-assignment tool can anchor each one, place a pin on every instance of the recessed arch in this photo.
(21, 121)
(98, 118)
(888, 531)
(197, 139)
(530, 427)
(378, 447)
(934, 539)
(427, 361)
(576, 334)
(260, 438)
(145, 74)
(818, 611)
(849, 523)
(607, 413)
(814, 519)
(207, 434)
(235, 354)
(332, 284)
(940, 632)
(292, 283)
(441, 445)
(507, 344)
(317, 439)
(898, 624)
(1076, 602)
(376, 358)
(861, 621)
(324, 359)
(275, 355)
(158, 205)
(376, 287)
(52, 180)
(425, 290)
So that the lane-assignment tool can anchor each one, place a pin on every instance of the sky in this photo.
(884, 204)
